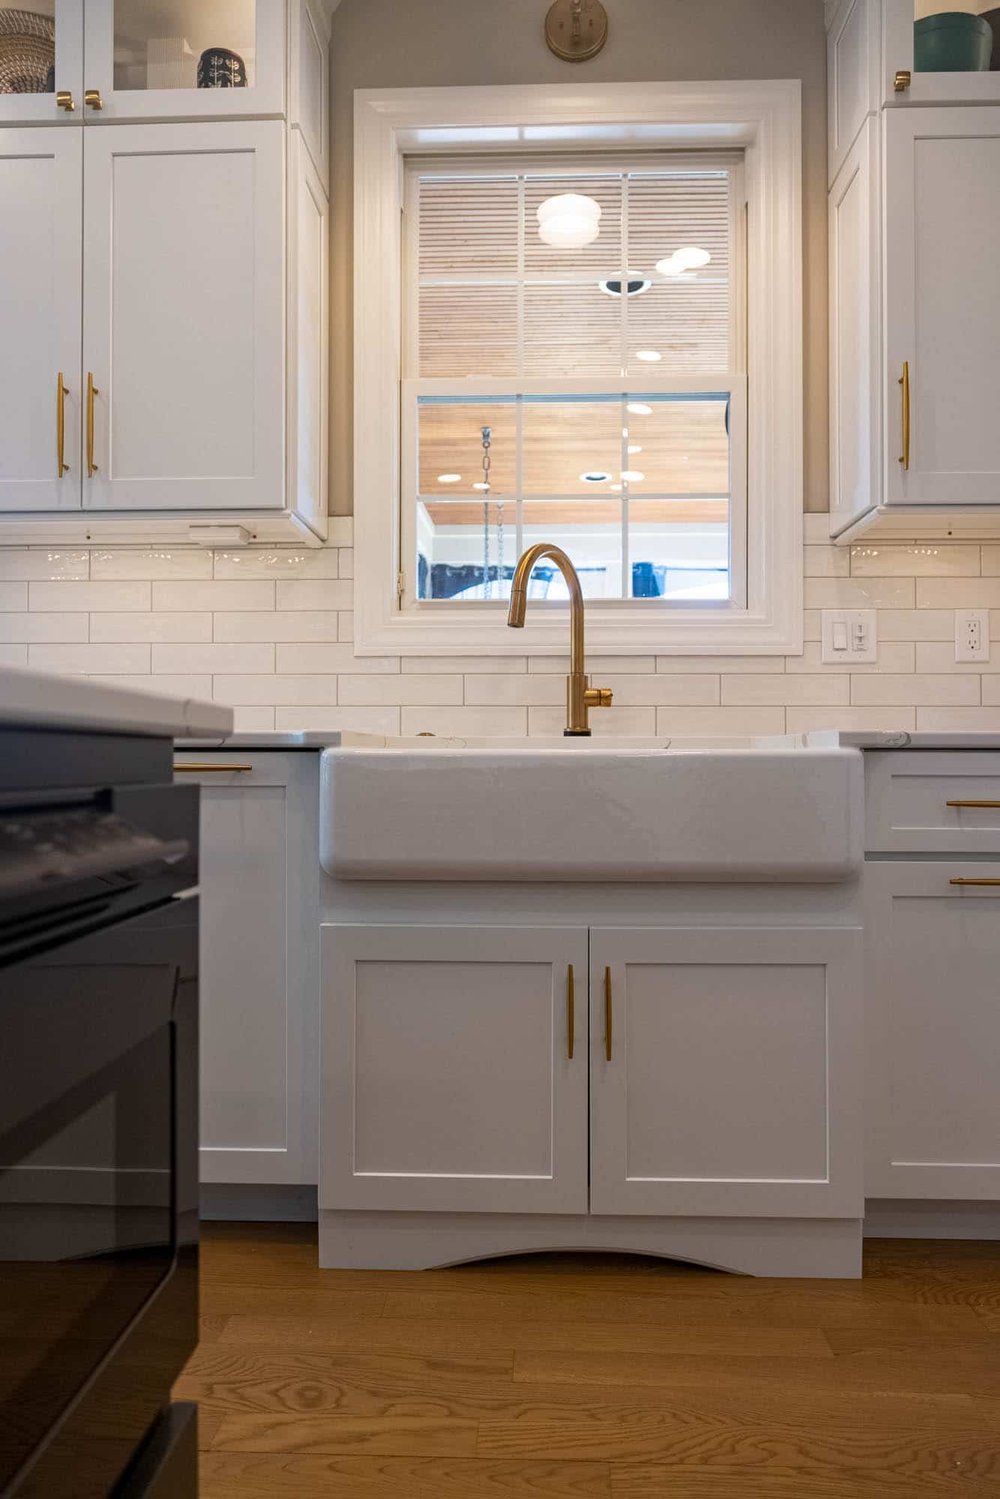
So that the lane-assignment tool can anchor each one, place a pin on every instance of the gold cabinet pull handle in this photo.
(196, 768)
(62, 391)
(92, 391)
(92, 98)
(608, 1018)
(64, 100)
(972, 804)
(960, 880)
(904, 381)
(570, 1012)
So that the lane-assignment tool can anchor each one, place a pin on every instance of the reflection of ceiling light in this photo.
(649, 356)
(633, 476)
(595, 476)
(635, 285)
(634, 447)
(480, 485)
(689, 258)
(449, 478)
(638, 408)
(616, 487)
(568, 221)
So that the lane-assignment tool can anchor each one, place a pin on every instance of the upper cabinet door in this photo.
(183, 59)
(41, 62)
(454, 1071)
(898, 17)
(40, 237)
(726, 1073)
(942, 329)
(183, 328)
(852, 76)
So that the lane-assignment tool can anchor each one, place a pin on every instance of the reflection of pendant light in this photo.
(689, 258)
(568, 221)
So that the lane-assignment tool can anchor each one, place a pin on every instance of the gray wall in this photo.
(431, 43)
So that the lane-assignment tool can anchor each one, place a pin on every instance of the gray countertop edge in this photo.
(34, 699)
(315, 739)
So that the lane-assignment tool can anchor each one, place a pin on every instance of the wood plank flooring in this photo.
(581, 1377)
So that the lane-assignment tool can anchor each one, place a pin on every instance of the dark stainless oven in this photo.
(98, 1133)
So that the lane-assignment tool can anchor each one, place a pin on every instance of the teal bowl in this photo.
(952, 42)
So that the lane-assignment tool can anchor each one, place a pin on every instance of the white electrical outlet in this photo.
(849, 636)
(972, 634)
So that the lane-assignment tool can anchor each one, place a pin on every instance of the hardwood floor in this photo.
(570, 1377)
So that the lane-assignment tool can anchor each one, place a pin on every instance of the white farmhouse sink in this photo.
(776, 809)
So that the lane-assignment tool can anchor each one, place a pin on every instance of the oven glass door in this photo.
(87, 1148)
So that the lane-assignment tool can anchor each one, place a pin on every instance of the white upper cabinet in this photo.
(41, 80)
(183, 59)
(183, 328)
(902, 84)
(40, 256)
(852, 75)
(942, 314)
(691, 1029)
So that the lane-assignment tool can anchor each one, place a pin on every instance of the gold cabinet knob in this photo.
(902, 80)
(64, 99)
(92, 98)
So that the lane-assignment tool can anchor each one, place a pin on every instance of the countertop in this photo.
(315, 739)
(43, 700)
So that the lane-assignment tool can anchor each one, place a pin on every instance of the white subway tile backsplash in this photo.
(949, 720)
(269, 630)
(214, 595)
(360, 720)
(278, 562)
(611, 724)
(788, 688)
(914, 690)
(213, 658)
(150, 627)
(440, 689)
(151, 562)
(45, 563)
(808, 720)
(28, 627)
(264, 624)
(90, 596)
(13, 654)
(251, 720)
(958, 593)
(315, 593)
(816, 528)
(920, 560)
(275, 690)
(719, 722)
(309, 656)
(465, 721)
(128, 660)
(859, 593)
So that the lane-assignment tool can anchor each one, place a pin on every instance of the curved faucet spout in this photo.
(580, 696)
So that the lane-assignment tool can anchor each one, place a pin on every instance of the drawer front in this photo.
(930, 801)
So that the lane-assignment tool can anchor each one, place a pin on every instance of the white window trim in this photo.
(764, 117)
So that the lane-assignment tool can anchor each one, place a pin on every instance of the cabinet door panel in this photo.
(942, 178)
(259, 970)
(933, 1031)
(852, 76)
(40, 212)
(854, 347)
(447, 1083)
(55, 23)
(143, 59)
(183, 327)
(734, 1078)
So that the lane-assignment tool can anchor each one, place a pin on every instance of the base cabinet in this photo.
(454, 1069)
(933, 1030)
(719, 1074)
(259, 965)
(726, 1072)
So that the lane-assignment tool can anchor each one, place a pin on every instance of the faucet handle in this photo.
(598, 697)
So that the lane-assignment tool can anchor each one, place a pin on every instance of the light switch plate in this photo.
(850, 636)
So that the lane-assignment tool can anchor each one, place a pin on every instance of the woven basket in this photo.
(27, 52)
